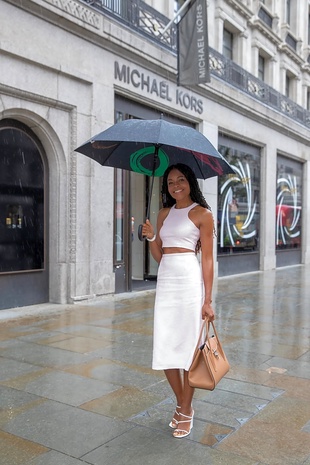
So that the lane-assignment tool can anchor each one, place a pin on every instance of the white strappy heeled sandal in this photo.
(180, 433)
(174, 422)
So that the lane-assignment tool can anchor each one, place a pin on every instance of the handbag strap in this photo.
(206, 325)
(219, 345)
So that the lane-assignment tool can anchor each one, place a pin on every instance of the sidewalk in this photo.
(76, 385)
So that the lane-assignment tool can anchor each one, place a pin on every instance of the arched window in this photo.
(22, 222)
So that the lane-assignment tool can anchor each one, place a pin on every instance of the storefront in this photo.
(288, 211)
(132, 259)
(68, 226)
(239, 208)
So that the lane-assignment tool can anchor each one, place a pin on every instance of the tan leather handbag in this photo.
(209, 363)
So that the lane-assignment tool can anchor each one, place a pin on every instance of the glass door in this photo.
(122, 226)
(150, 265)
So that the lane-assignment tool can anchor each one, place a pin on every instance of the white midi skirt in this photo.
(177, 312)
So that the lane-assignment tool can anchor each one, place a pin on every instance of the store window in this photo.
(238, 205)
(288, 85)
(178, 4)
(288, 11)
(288, 204)
(261, 67)
(21, 200)
(228, 38)
(308, 99)
(118, 209)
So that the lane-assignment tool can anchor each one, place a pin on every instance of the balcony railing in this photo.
(140, 17)
(149, 22)
(238, 77)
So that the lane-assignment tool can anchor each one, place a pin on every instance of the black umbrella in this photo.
(150, 146)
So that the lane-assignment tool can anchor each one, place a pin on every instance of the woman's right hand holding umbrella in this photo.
(148, 231)
(155, 243)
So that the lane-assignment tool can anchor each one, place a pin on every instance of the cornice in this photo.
(285, 48)
(77, 10)
(242, 9)
(257, 23)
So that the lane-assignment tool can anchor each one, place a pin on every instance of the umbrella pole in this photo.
(150, 194)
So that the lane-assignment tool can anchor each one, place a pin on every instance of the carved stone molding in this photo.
(73, 187)
(72, 114)
(78, 11)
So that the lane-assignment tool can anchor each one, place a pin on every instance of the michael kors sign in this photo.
(157, 88)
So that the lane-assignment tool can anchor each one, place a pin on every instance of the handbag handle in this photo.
(206, 324)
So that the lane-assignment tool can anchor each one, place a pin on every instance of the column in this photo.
(268, 208)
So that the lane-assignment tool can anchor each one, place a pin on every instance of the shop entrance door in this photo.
(134, 266)
(122, 226)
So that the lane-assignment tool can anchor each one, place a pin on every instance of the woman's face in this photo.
(178, 185)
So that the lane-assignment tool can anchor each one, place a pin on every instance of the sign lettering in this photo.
(160, 89)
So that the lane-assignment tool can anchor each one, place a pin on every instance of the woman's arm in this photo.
(206, 238)
(148, 232)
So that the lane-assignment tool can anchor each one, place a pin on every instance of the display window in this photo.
(288, 204)
(21, 201)
(238, 199)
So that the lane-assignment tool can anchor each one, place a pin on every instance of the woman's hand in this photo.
(207, 312)
(148, 230)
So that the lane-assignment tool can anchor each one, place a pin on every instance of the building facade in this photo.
(72, 68)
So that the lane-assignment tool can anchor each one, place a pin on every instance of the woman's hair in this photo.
(195, 192)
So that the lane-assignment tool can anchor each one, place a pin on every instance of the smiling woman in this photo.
(184, 292)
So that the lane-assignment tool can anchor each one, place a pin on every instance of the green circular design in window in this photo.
(136, 161)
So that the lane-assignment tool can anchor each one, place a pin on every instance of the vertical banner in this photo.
(193, 47)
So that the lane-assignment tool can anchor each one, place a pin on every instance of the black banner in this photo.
(193, 47)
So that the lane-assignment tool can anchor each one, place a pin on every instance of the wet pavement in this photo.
(76, 385)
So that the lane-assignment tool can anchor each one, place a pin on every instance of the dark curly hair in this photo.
(195, 192)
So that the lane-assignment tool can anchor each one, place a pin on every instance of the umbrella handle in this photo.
(140, 236)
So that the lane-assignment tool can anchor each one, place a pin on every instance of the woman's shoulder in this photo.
(200, 210)
(202, 213)
(164, 211)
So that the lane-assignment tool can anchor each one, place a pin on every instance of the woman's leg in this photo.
(182, 390)
(188, 393)
(186, 412)
(175, 380)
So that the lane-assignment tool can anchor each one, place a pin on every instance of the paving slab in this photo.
(63, 428)
(76, 384)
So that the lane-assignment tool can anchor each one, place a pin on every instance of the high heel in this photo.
(174, 423)
(184, 432)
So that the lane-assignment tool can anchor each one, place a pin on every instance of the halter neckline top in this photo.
(178, 230)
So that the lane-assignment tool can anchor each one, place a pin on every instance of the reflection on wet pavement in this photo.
(76, 385)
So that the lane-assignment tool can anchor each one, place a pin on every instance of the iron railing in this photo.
(140, 17)
(240, 78)
(149, 22)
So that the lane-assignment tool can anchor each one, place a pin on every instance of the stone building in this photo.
(72, 68)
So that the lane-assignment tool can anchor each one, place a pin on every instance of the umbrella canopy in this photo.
(150, 146)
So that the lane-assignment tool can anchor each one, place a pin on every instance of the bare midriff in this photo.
(167, 250)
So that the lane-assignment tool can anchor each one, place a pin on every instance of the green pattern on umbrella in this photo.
(137, 157)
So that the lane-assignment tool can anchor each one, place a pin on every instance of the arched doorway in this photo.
(23, 217)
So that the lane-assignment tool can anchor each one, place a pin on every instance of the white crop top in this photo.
(178, 230)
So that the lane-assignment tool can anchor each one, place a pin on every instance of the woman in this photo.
(184, 288)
